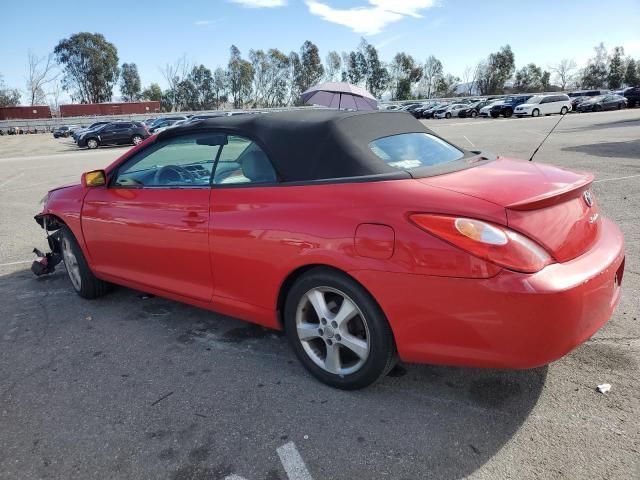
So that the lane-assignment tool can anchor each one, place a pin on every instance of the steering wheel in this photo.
(172, 173)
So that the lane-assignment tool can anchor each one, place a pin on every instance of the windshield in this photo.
(408, 151)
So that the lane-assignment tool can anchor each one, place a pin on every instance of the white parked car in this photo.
(544, 105)
(486, 111)
(451, 111)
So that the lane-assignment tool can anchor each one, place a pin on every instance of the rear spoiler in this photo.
(553, 197)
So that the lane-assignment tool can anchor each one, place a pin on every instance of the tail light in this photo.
(490, 242)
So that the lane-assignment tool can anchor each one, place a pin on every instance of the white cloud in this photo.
(260, 3)
(371, 19)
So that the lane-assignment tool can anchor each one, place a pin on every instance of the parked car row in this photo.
(126, 132)
(523, 105)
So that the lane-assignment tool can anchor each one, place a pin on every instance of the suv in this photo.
(632, 94)
(510, 103)
(544, 105)
(76, 135)
(116, 133)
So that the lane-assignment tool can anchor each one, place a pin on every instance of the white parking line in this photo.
(470, 142)
(11, 179)
(293, 463)
(614, 179)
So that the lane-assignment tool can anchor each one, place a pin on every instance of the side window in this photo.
(242, 161)
(547, 100)
(185, 161)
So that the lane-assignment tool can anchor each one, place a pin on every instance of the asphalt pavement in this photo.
(132, 386)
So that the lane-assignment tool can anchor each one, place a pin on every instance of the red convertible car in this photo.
(365, 236)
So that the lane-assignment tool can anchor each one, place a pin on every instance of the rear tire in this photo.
(508, 112)
(82, 279)
(348, 354)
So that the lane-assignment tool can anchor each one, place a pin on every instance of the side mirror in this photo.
(95, 178)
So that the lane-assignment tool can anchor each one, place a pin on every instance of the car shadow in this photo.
(445, 422)
(628, 149)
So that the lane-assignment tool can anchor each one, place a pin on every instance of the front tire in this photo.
(447, 115)
(82, 279)
(564, 111)
(535, 112)
(136, 139)
(338, 331)
(508, 112)
(92, 144)
(473, 114)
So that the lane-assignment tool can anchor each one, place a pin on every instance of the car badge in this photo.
(588, 199)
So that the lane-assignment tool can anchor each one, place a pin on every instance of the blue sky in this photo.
(458, 32)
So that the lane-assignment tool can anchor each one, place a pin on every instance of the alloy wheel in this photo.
(333, 330)
(71, 264)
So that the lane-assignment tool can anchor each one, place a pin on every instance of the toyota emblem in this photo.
(588, 199)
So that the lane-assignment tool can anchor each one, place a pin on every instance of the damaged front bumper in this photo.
(46, 262)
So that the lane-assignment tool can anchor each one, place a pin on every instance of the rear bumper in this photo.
(512, 320)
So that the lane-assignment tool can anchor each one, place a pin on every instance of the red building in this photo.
(25, 113)
(125, 108)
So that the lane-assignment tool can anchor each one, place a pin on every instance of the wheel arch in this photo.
(300, 271)
(53, 221)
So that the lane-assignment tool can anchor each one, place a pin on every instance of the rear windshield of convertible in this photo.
(408, 151)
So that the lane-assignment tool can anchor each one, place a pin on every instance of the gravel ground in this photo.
(135, 387)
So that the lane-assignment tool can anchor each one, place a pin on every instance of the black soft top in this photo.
(308, 145)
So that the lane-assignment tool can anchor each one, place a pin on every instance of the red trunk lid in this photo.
(548, 204)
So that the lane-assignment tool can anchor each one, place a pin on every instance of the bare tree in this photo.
(174, 73)
(468, 80)
(42, 71)
(333, 67)
(564, 71)
(54, 96)
(432, 73)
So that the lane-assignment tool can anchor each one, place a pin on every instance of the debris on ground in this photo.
(46, 262)
(603, 388)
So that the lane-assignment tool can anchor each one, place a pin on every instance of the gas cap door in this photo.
(373, 240)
